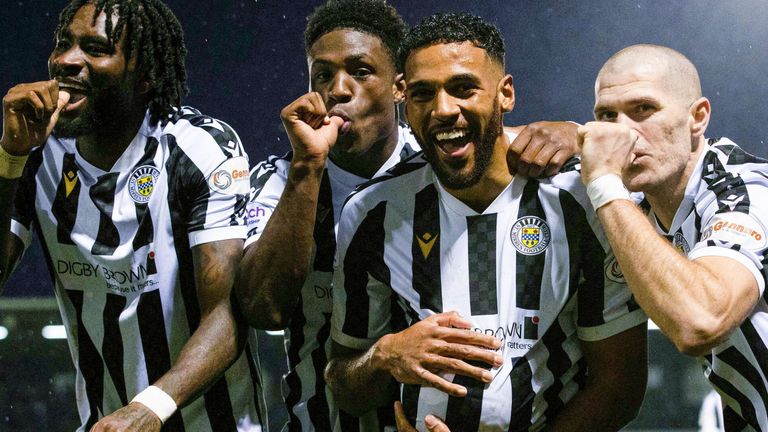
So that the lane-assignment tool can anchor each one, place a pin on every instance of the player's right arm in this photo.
(273, 269)
(30, 111)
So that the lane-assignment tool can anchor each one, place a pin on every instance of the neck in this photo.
(103, 147)
(665, 198)
(497, 177)
(366, 164)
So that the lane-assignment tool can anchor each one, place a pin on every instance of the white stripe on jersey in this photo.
(308, 401)
(118, 248)
(507, 270)
(727, 185)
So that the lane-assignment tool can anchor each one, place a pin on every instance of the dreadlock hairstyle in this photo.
(374, 17)
(155, 35)
(443, 28)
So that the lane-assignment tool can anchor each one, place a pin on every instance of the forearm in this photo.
(688, 301)
(358, 385)
(273, 270)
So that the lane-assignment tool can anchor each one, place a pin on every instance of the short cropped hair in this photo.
(374, 17)
(449, 28)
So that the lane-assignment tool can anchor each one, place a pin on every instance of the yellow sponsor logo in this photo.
(426, 242)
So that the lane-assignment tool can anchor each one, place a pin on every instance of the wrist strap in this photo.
(157, 401)
(605, 189)
(11, 166)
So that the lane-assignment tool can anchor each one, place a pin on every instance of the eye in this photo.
(463, 90)
(606, 116)
(321, 76)
(361, 73)
(61, 45)
(645, 109)
(419, 94)
(97, 50)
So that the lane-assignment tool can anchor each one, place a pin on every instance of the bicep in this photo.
(215, 264)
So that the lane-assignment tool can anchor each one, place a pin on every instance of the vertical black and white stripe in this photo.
(122, 267)
(309, 403)
(405, 240)
(730, 186)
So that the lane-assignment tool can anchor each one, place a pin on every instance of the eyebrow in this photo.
(632, 102)
(452, 80)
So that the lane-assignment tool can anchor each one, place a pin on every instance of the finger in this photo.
(467, 337)
(46, 96)
(434, 424)
(543, 159)
(452, 319)
(470, 353)
(556, 163)
(457, 367)
(63, 99)
(433, 380)
(401, 420)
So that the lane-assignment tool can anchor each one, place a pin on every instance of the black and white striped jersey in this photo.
(725, 213)
(534, 269)
(307, 399)
(118, 246)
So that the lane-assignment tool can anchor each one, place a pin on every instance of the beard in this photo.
(105, 111)
(453, 176)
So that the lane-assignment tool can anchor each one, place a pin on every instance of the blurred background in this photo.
(246, 61)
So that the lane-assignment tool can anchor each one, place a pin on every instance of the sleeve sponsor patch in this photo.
(736, 228)
(231, 177)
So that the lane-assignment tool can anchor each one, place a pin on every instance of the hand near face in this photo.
(30, 111)
(441, 343)
(133, 417)
(433, 423)
(311, 131)
(606, 148)
(542, 148)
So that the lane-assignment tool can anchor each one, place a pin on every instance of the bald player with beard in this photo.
(694, 251)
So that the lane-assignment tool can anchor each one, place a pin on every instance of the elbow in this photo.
(261, 316)
(700, 336)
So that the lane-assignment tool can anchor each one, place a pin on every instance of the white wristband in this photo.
(11, 166)
(157, 401)
(605, 189)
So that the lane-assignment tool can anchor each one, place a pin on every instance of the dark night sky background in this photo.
(246, 61)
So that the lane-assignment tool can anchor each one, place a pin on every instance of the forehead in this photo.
(83, 24)
(441, 61)
(342, 44)
(629, 83)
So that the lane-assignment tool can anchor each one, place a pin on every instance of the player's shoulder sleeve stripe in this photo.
(404, 167)
(220, 133)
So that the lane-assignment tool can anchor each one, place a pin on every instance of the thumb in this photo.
(62, 102)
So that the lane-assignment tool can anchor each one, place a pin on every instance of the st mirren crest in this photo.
(142, 183)
(530, 235)
(680, 243)
(426, 242)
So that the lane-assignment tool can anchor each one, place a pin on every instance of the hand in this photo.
(439, 343)
(133, 417)
(30, 111)
(433, 423)
(311, 132)
(542, 148)
(606, 148)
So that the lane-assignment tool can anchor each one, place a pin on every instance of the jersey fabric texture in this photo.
(534, 269)
(118, 247)
(308, 401)
(725, 213)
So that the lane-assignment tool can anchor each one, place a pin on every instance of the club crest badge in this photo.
(680, 243)
(142, 183)
(530, 235)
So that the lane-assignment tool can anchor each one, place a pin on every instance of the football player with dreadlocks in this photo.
(139, 205)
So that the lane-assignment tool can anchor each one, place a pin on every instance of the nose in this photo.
(340, 91)
(67, 62)
(445, 107)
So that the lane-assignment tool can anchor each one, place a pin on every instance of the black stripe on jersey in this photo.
(154, 344)
(24, 201)
(404, 167)
(292, 379)
(732, 421)
(730, 190)
(747, 410)
(348, 422)
(65, 204)
(317, 405)
(182, 172)
(522, 395)
(103, 196)
(425, 249)
(253, 368)
(572, 164)
(737, 155)
(146, 230)
(463, 413)
(262, 172)
(756, 344)
(113, 348)
(88, 361)
(324, 235)
(576, 223)
(481, 252)
(365, 255)
(530, 268)
(558, 364)
(738, 362)
(226, 138)
(410, 401)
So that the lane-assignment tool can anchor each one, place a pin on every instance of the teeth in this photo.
(450, 135)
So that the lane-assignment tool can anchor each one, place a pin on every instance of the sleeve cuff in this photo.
(21, 232)
(216, 234)
(735, 255)
(351, 342)
(611, 328)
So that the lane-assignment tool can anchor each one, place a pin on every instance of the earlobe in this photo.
(700, 111)
(506, 93)
(398, 89)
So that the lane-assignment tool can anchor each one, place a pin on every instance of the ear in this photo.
(506, 93)
(398, 88)
(144, 86)
(700, 111)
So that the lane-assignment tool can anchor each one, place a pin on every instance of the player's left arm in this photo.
(616, 377)
(211, 349)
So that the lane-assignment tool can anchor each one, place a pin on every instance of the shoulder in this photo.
(199, 134)
(270, 175)
(404, 179)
